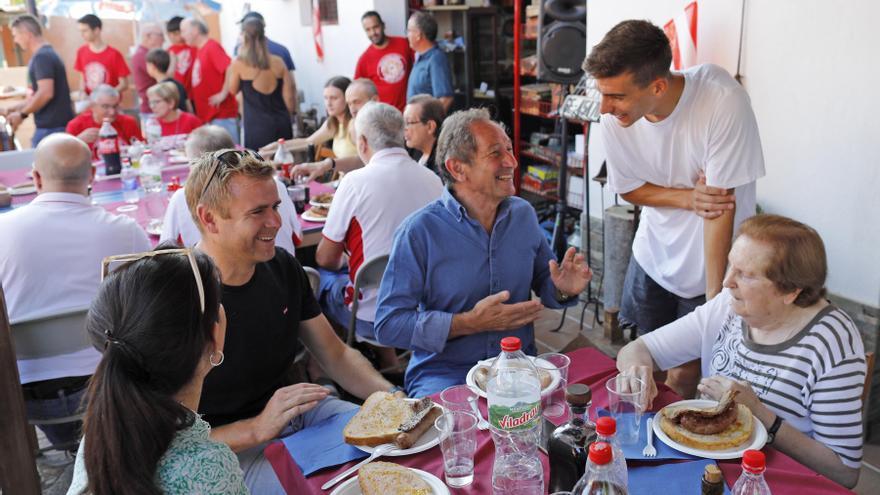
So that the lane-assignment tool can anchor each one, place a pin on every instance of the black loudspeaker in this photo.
(562, 40)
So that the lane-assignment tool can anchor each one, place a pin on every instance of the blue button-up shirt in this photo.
(443, 262)
(430, 75)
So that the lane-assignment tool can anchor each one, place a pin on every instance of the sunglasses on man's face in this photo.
(128, 258)
(218, 158)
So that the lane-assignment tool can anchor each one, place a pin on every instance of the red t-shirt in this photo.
(184, 56)
(126, 128)
(389, 69)
(105, 67)
(185, 123)
(208, 75)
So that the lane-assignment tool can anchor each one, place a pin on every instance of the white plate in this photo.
(319, 204)
(755, 441)
(351, 486)
(429, 439)
(307, 216)
(22, 191)
(469, 380)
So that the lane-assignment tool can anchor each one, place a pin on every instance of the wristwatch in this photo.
(563, 297)
(771, 433)
(395, 388)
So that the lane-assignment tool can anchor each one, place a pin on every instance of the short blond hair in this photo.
(216, 197)
(166, 91)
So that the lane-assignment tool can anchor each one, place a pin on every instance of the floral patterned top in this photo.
(192, 464)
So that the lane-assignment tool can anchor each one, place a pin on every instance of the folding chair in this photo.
(369, 275)
(50, 335)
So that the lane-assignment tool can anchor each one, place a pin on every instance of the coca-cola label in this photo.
(107, 146)
(518, 417)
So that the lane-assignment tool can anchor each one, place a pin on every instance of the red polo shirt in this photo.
(126, 128)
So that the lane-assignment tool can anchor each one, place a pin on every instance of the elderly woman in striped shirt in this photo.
(797, 361)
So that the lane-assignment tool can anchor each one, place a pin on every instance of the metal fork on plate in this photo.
(379, 451)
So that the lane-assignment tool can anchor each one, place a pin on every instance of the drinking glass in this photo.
(458, 443)
(624, 401)
(458, 397)
(298, 196)
(553, 402)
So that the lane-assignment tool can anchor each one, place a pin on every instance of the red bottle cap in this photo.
(600, 453)
(606, 426)
(510, 344)
(754, 461)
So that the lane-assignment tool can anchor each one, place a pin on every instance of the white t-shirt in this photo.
(713, 130)
(178, 225)
(369, 205)
(50, 261)
(814, 380)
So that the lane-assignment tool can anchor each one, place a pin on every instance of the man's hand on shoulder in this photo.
(286, 403)
(491, 313)
(710, 202)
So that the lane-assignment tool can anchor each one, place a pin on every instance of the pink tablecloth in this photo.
(589, 366)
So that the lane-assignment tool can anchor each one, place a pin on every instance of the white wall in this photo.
(810, 67)
(343, 43)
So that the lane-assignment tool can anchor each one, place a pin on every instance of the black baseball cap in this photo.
(252, 15)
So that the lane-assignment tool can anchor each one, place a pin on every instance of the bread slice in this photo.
(734, 436)
(381, 418)
(385, 478)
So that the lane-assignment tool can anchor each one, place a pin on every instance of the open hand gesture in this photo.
(572, 275)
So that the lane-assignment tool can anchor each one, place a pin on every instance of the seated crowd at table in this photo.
(194, 338)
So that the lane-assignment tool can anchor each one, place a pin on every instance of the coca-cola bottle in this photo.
(600, 478)
(283, 161)
(751, 481)
(108, 148)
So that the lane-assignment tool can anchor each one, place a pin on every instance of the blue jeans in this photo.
(332, 299)
(231, 126)
(259, 476)
(647, 304)
(41, 132)
(64, 405)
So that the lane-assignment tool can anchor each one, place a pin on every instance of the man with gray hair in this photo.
(210, 97)
(152, 36)
(178, 224)
(430, 73)
(462, 269)
(367, 208)
(104, 105)
(50, 251)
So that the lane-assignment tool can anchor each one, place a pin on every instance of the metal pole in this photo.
(559, 241)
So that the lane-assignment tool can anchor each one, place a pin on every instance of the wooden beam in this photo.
(18, 470)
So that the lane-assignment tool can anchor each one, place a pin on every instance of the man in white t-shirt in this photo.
(50, 259)
(367, 208)
(685, 146)
(178, 224)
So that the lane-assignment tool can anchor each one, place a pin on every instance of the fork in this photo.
(377, 452)
(482, 424)
(649, 450)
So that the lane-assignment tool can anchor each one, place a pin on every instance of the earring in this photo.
(218, 363)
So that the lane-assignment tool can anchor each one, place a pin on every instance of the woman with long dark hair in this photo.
(338, 119)
(158, 320)
(266, 88)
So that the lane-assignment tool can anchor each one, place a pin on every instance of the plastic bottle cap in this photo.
(753, 461)
(606, 426)
(578, 395)
(510, 344)
(600, 453)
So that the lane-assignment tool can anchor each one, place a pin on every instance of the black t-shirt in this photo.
(181, 91)
(262, 338)
(46, 64)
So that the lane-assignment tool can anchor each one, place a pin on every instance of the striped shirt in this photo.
(813, 380)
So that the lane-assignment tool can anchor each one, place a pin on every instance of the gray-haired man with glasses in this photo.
(271, 311)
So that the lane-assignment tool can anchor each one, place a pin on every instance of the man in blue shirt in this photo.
(430, 74)
(462, 269)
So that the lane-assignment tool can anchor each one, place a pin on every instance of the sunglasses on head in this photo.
(128, 258)
(218, 158)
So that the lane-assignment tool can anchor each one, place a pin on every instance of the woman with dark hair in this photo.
(158, 320)
(338, 119)
(796, 360)
(266, 88)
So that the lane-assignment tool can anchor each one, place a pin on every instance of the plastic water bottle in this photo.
(154, 193)
(135, 151)
(751, 481)
(606, 431)
(152, 130)
(129, 178)
(599, 479)
(514, 396)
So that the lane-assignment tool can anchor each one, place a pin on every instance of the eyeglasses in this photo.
(128, 258)
(217, 156)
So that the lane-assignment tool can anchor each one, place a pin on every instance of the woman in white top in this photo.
(797, 361)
